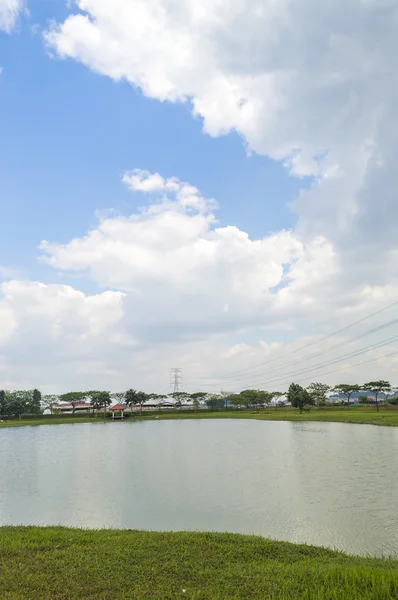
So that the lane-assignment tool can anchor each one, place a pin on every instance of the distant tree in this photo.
(200, 396)
(196, 404)
(2, 402)
(120, 397)
(19, 402)
(159, 398)
(363, 400)
(132, 398)
(253, 398)
(179, 397)
(299, 397)
(35, 406)
(73, 398)
(347, 389)
(276, 398)
(214, 401)
(377, 387)
(51, 403)
(236, 401)
(318, 392)
(99, 399)
(264, 398)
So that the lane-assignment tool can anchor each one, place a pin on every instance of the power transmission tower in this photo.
(176, 379)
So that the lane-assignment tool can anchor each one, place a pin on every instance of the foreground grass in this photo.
(350, 414)
(69, 564)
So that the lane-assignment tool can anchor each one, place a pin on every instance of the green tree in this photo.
(196, 404)
(264, 398)
(198, 396)
(132, 398)
(299, 397)
(99, 399)
(276, 396)
(179, 398)
(377, 387)
(252, 398)
(19, 402)
(214, 401)
(347, 390)
(363, 400)
(3, 403)
(51, 403)
(318, 392)
(73, 398)
(35, 406)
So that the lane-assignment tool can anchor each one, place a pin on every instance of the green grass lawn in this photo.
(349, 414)
(59, 563)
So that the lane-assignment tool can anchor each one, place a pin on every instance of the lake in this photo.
(329, 484)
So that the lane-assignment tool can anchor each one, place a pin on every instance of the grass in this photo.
(61, 563)
(349, 414)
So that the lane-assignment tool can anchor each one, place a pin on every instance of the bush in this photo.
(393, 401)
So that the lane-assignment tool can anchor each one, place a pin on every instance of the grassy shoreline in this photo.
(356, 415)
(70, 564)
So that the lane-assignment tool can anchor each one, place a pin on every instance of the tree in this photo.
(35, 406)
(99, 399)
(179, 397)
(347, 389)
(214, 401)
(72, 398)
(299, 397)
(132, 398)
(2, 402)
(276, 396)
(51, 403)
(19, 402)
(264, 398)
(198, 396)
(252, 398)
(196, 404)
(377, 387)
(363, 399)
(318, 392)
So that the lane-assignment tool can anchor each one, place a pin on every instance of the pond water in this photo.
(327, 484)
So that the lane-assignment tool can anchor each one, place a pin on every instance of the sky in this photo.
(208, 185)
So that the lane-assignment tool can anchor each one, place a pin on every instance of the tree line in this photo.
(19, 402)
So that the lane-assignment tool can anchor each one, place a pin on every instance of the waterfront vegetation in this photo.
(387, 415)
(73, 564)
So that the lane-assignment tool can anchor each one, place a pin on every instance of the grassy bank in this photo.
(60, 563)
(354, 414)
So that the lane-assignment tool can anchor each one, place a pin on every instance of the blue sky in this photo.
(70, 134)
(107, 107)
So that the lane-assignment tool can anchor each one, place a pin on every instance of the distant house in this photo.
(79, 406)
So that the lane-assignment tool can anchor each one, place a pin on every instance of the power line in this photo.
(305, 346)
(318, 353)
(277, 380)
(363, 362)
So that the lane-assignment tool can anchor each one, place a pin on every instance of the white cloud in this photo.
(9, 11)
(313, 84)
(180, 290)
(304, 81)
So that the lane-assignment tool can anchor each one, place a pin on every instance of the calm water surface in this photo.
(327, 484)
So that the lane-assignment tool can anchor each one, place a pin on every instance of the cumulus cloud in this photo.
(312, 84)
(302, 81)
(177, 289)
(9, 11)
